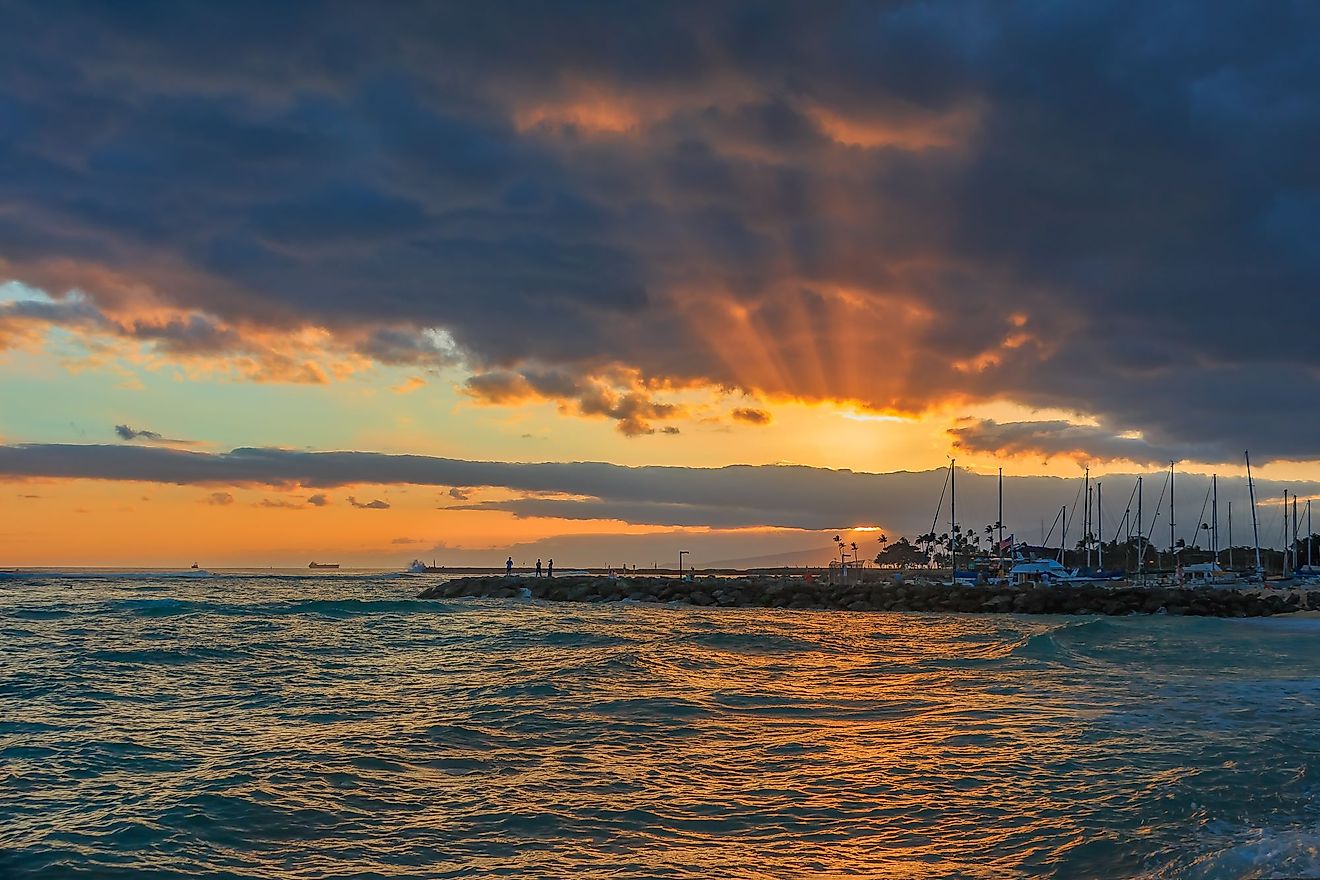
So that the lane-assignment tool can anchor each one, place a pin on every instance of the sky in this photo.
(602, 281)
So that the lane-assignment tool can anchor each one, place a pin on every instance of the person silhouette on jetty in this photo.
(508, 567)
(550, 572)
(538, 568)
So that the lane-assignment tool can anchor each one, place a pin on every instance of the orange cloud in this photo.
(593, 111)
(622, 395)
(905, 131)
(409, 385)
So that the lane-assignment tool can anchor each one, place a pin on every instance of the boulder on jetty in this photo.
(769, 591)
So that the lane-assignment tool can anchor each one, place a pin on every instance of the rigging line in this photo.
(1132, 497)
(1072, 514)
(936, 519)
(1050, 534)
(1154, 519)
(1099, 525)
(1200, 519)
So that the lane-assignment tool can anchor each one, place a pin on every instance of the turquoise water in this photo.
(331, 726)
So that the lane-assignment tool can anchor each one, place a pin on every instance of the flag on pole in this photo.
(1006, 544)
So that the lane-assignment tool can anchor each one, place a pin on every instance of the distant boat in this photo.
(1209, 574)
(195, 565)
(323, 565)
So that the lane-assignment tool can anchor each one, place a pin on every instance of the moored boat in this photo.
(1043, 571)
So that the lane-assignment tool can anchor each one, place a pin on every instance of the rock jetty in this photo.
(884, 595)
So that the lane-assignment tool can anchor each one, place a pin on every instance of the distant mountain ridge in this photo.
(793, 558)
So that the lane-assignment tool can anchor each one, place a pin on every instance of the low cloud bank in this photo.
(731, 497)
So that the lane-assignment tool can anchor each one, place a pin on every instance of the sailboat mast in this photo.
(999, 548)
(953, 519)
(1214, 516)
(1230, 535)
(1063, 542)
(1171, 548)
(1141, 536)
(1086, 514)
(1255, 529)
(1100, 518)
(1293, 544)
(1285, 532)
(1127, 533)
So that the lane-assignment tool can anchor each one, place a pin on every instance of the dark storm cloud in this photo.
(1051, 438)
(391, 345)
(196, 335)
(1110, 208)
(736, 496)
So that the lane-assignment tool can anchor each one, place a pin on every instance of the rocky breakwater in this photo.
(882, 595)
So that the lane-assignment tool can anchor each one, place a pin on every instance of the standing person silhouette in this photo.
(508, 567)
(550, 572)
(538, 568)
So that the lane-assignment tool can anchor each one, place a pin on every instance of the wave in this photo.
(754, 642)
(164, 607)
(1064, 639)
(162, 656)
(356, 607)
(41, 613)
(1259, 852)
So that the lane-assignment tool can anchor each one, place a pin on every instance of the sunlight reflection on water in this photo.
(333, 726)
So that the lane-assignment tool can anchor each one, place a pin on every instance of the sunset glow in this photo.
(567, 258)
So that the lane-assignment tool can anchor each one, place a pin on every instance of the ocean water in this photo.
(294, 726)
